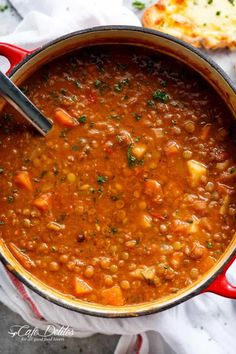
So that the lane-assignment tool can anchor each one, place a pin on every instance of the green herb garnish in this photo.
(77, 84)
(63, 91)
(82, 119)
(114, 198)
(102, 179)
(114, 230)
(62, 133)
(3, 8)
(209, 244)
(139, 5)
(10, 199)
(101, 85)
(150, 103)
(75, 148)
(120, 85)
(160, 96)
(137, 116)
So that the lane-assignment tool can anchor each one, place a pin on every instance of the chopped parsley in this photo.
(102, 179)
(75, 148)
(77, 84)
(137, 116)
(210, 2)
(62, 133)
(209, 244)
(150, 103)
(138, 5)
(160, 96)
(114, 198)
(3, 8)
(120, 85)
(101, 86)
(2, 222)
(10, 199)
(97, 83)
(113, 229)
(231, 2)
(63, 92)
(218, 13)
(1, 170)
(82, 119)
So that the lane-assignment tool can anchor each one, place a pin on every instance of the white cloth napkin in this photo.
(204, 324)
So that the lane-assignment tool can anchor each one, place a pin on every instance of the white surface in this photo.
(203, 325)
(9, 19)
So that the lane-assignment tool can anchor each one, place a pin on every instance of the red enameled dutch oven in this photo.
(23, 63)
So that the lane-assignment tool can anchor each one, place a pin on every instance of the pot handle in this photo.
(221, 286)
(13, 53)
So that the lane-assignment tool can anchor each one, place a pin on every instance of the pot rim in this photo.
(191, 292)
(169, 37)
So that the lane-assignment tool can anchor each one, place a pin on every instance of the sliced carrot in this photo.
(171, 148)
(23, 258)
(205, 132)
(113, 296)
(81, 287)
(43, 202)
(22, 179)
(63, 118)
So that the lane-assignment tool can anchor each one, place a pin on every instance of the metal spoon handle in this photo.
(23, 105)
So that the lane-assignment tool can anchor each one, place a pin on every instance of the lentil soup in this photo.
(131, 197)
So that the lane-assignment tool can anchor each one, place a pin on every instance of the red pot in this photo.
(23, 63)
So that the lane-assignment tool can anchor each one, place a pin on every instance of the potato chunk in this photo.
(138, 150)
(81, 287)
(196, 170)
(113, 296)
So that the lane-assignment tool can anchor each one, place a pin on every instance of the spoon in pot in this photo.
(13, 95)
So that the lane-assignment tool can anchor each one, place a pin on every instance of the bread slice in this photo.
(210, 24)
